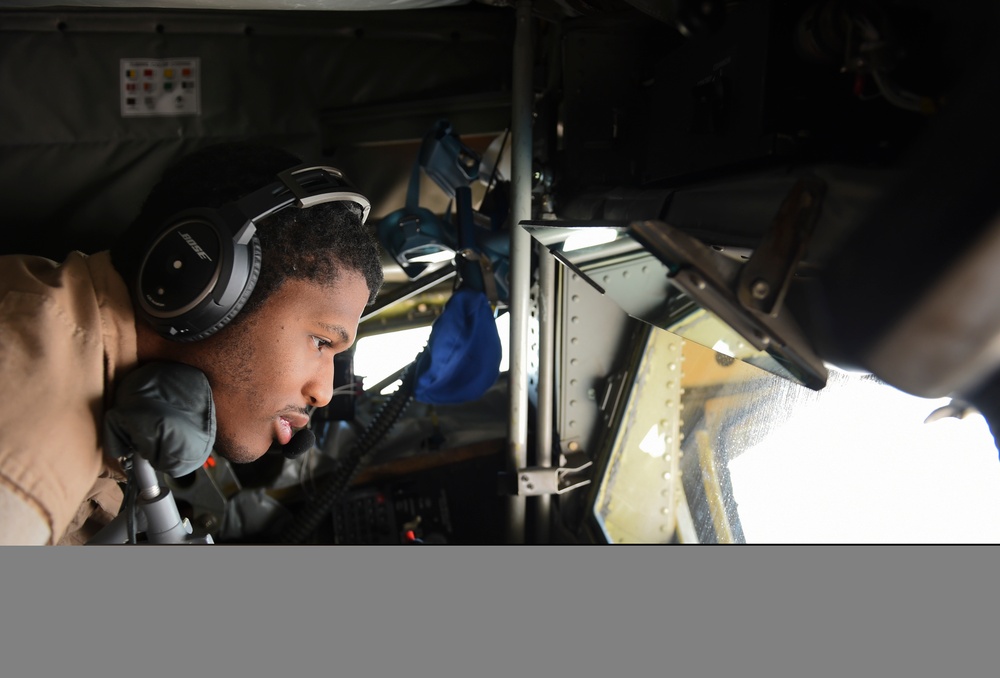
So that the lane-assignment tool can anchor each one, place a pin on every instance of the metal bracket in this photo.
(540, 480)
(749, 297)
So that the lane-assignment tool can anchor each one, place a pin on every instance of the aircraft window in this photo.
(764, 460)
(378, 356)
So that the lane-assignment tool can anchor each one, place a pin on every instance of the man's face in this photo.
(266, 370)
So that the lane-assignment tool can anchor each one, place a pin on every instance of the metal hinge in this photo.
(749, 297)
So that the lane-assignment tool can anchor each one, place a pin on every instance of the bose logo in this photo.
(195, 246)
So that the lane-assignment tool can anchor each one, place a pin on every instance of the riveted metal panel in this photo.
(593, 333)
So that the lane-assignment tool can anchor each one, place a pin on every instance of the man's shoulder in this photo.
(37, 274)
(41, 275)
(83, 291)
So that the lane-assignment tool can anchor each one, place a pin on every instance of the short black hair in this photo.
(313, 244)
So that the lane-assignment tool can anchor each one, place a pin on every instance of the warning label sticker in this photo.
(160, 87)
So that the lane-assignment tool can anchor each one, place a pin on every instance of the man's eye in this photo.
(322, 343)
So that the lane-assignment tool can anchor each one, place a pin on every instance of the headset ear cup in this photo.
(255, 256)
(201, 269)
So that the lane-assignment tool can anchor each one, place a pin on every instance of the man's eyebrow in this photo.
(336, 329)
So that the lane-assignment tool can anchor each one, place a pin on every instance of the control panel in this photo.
(453, 504)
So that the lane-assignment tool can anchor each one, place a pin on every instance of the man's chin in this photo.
(237, 453)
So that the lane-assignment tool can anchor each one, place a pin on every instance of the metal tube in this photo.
(416, 287)
(546, 380)
(520, 260)
(145, 478)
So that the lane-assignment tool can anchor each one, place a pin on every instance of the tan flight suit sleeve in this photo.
(21, 522)
(53, 370)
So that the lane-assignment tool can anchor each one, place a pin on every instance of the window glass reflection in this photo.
(769, 461)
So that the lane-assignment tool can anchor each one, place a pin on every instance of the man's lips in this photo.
(287, 424)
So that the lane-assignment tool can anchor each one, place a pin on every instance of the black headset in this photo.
(199, 272)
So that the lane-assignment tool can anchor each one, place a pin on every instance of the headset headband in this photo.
(304, 186)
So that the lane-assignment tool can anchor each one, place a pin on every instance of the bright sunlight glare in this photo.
(857, 464)
(589, 237)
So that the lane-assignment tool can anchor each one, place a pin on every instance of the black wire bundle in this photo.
(339, 479)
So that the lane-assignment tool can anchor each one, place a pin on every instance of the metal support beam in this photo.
(520, 259)
(546, 381)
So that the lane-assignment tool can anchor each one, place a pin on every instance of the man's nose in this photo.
(319, 389)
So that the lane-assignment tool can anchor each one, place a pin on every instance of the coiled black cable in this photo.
(337, 482)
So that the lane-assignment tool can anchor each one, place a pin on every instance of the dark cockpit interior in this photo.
(731, 248)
